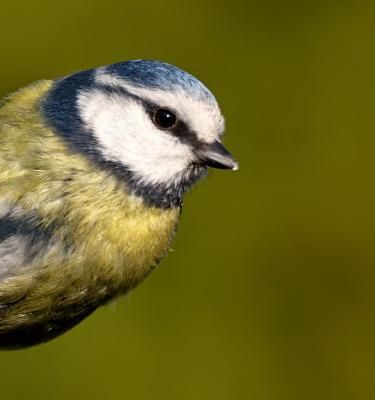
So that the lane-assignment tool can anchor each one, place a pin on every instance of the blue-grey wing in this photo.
(22, 239)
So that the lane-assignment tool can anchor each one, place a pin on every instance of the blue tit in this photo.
(93, 169)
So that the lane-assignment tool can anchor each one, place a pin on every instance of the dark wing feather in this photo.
(22, 238)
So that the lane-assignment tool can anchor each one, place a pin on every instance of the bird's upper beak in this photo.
(215, 155)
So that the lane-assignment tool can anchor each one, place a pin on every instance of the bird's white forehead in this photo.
(203, 117)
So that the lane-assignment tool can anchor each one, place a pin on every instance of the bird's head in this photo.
(150, 122)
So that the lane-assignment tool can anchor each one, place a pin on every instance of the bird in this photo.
(93, 170)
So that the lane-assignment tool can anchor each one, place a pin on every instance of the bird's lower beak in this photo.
(215, 155)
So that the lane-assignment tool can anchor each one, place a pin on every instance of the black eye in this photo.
(165, 119)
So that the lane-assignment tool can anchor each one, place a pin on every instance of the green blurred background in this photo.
(270, 292)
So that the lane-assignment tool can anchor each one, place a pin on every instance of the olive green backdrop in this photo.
(270, 291)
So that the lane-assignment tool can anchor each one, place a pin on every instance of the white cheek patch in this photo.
(127, 135)
(204, 117)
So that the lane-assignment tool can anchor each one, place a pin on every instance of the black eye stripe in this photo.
(181, 129)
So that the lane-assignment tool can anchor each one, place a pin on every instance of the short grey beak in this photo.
(215, 155)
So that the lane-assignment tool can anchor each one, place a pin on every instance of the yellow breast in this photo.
(110, 237)
(102, 240)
